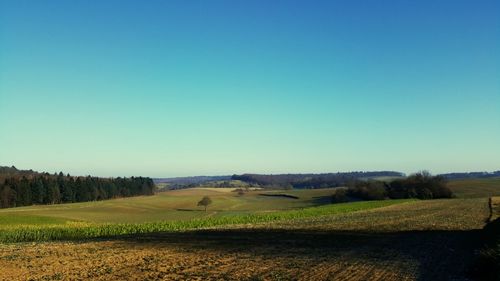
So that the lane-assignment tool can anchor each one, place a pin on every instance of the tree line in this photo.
(26, 189)
(420, 185)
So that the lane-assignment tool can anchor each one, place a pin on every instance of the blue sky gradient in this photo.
(174, 88)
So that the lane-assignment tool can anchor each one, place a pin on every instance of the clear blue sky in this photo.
(173, 88)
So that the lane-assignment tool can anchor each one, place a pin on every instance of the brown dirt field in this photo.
(340, 250)
(243, 255)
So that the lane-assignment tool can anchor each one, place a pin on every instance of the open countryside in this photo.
(255, 235)
(257, 140)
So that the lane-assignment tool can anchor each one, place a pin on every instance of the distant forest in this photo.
(180, 181)
(311, 180)
(26, 187)
(324, 180)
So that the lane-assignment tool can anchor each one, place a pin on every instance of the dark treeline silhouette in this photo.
(28, 188)
(6, 172)
(311, 180)
(420, 185)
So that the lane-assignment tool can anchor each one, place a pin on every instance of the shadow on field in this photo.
(440, 255)
(321, 200)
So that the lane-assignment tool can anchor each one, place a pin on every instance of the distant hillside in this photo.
(191, 180)
(471, 175)
(312, 180)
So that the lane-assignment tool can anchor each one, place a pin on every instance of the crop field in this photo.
(475, 188)
(379, 240)
(428, 215)
(168, 211)
(83, 230)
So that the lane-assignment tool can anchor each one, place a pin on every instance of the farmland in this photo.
(17, 226)
(475, 188)
(242, 237)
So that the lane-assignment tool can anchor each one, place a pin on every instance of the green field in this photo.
(475, 188)
(177, 210)
(179, 205)
(169, 205)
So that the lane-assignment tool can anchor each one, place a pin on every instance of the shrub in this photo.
(420, 185)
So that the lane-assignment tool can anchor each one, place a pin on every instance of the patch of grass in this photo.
(23, 219)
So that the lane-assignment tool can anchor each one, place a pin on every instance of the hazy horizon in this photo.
(241, 172)
(165, 89)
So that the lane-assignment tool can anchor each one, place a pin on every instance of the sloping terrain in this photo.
(170, 205)
(475, 187)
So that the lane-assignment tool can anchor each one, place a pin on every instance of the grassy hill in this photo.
(169, 205)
